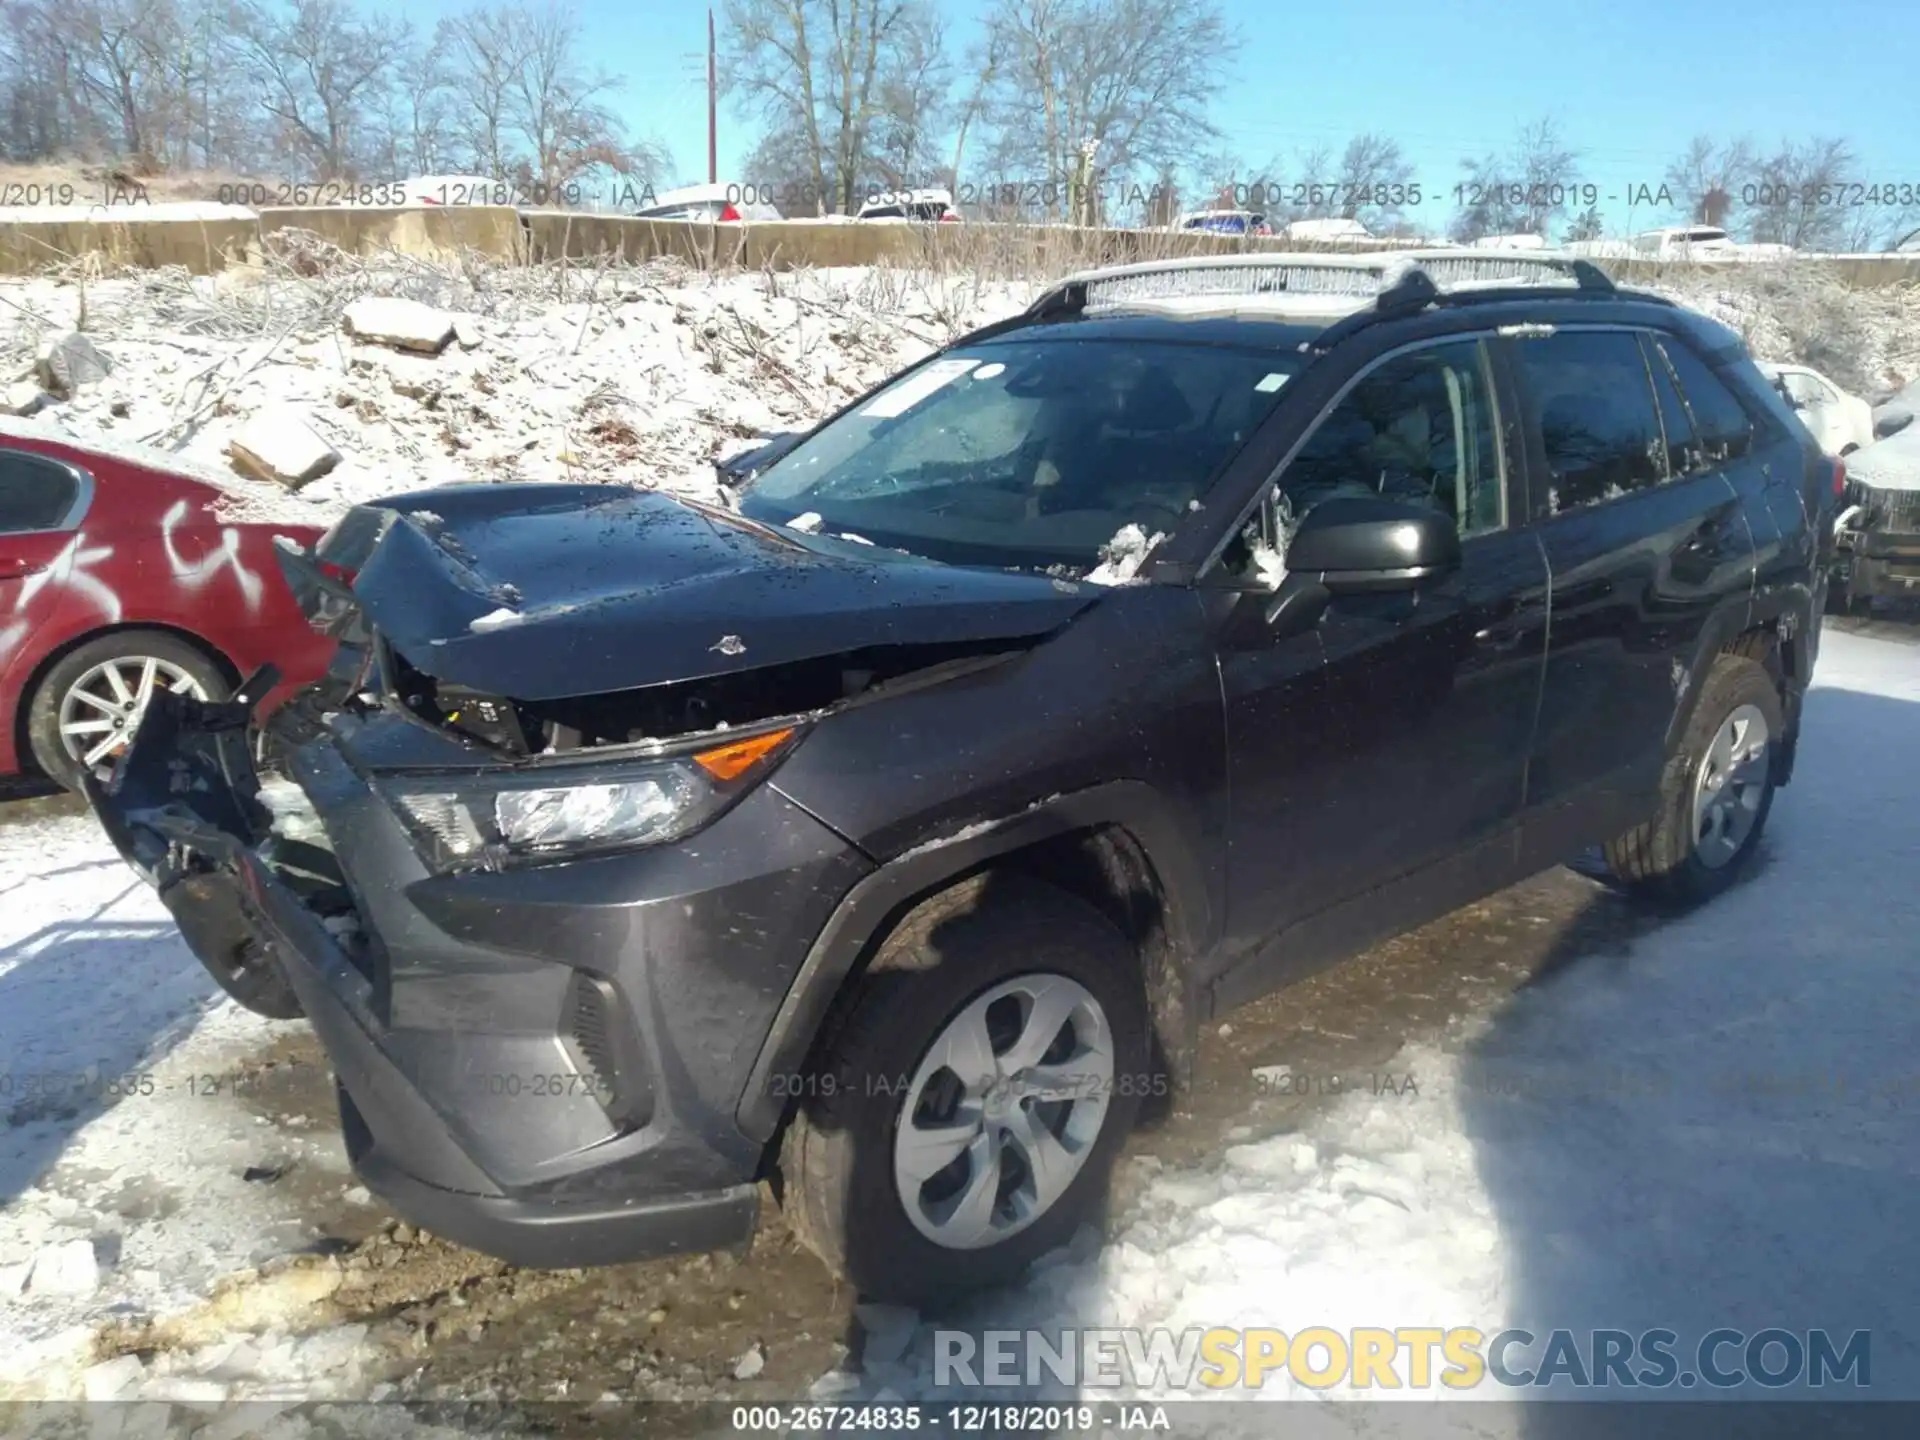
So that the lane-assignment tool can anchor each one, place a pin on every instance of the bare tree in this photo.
(322, 71)
(1801, 195)
(1522, 192)
(486, 48)
(811, 71)
(906, 141)
(1707, 179)
(561, 109)
(1132, 77)
(418, 125)
(984, 60)
(41, 109)
(1310, 195)
(1587, 225)
(120, 45)
(1374, 181)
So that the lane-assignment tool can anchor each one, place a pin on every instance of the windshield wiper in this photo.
(734, 517)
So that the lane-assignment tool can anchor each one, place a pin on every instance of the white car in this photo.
(1685, 242)
(1841, 422)
(710, 204)
(930, 205)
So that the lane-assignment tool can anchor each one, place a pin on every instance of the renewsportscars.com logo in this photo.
(1404, 1357)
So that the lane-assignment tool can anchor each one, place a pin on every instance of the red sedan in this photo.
(117, 579)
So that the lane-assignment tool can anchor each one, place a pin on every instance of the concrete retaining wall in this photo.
(205, 243)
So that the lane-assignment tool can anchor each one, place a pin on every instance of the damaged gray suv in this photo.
(884, 833)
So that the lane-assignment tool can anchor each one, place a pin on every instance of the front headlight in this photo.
(489, 819)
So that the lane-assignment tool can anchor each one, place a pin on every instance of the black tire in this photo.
(1661, 858)
(837, 1160)
(43, 710)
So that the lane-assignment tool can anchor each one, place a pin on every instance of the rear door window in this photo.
(35, 493)
(1590, 400)
(1726, 430)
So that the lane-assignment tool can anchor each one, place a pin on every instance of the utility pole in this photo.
(713, 106)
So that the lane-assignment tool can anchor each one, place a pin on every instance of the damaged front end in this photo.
(187, 810)
(522, 867)
(1877, 537)
(616, 666)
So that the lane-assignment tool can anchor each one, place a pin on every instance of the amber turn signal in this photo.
(730, 762)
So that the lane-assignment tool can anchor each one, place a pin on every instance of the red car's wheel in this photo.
(88, 705)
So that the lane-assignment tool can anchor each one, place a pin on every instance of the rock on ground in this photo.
(68, 1268)
(112, 1378)
(403, 324)
(23, 397)
(278, 444)
(64, 365)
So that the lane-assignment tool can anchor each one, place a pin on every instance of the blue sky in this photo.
(1628, 81)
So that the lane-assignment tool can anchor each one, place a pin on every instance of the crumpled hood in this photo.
(541, 592)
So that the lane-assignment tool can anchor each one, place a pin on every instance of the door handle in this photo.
(14, 568)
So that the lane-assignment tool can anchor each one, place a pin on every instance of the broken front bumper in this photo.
(542, 1065)
(1878, 549)
(1877, 563)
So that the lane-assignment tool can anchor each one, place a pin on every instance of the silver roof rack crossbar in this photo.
(1375, 276)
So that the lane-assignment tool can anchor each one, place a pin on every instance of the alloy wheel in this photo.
(1005, 1107)
(1730, 785)
(102, 709)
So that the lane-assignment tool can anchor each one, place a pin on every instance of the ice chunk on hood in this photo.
(1123, 555)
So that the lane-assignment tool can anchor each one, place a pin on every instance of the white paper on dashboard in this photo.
(909, 393)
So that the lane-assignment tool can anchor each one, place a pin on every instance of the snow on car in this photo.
(726, 203)
(924, 206)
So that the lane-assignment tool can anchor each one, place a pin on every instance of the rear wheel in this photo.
(86, 708)
(1716, 792)
(973, 1101)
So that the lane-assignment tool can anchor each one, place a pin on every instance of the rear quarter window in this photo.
(1725, 430)
(35, 493)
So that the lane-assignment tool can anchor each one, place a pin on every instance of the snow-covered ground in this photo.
(126, 1138)
(639, 374)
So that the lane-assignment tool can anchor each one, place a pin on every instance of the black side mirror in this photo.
(1359, 543)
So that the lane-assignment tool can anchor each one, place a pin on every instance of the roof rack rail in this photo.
(1384, 282)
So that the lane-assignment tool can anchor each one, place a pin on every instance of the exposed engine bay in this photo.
(673, 711)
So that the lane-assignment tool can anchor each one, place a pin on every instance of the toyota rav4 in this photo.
(884, 833)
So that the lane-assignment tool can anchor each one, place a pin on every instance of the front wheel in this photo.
(1716, 792)
(86, 708)
(970, 1108)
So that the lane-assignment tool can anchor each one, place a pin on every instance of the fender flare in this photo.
(863, 915)
(1789, 612)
